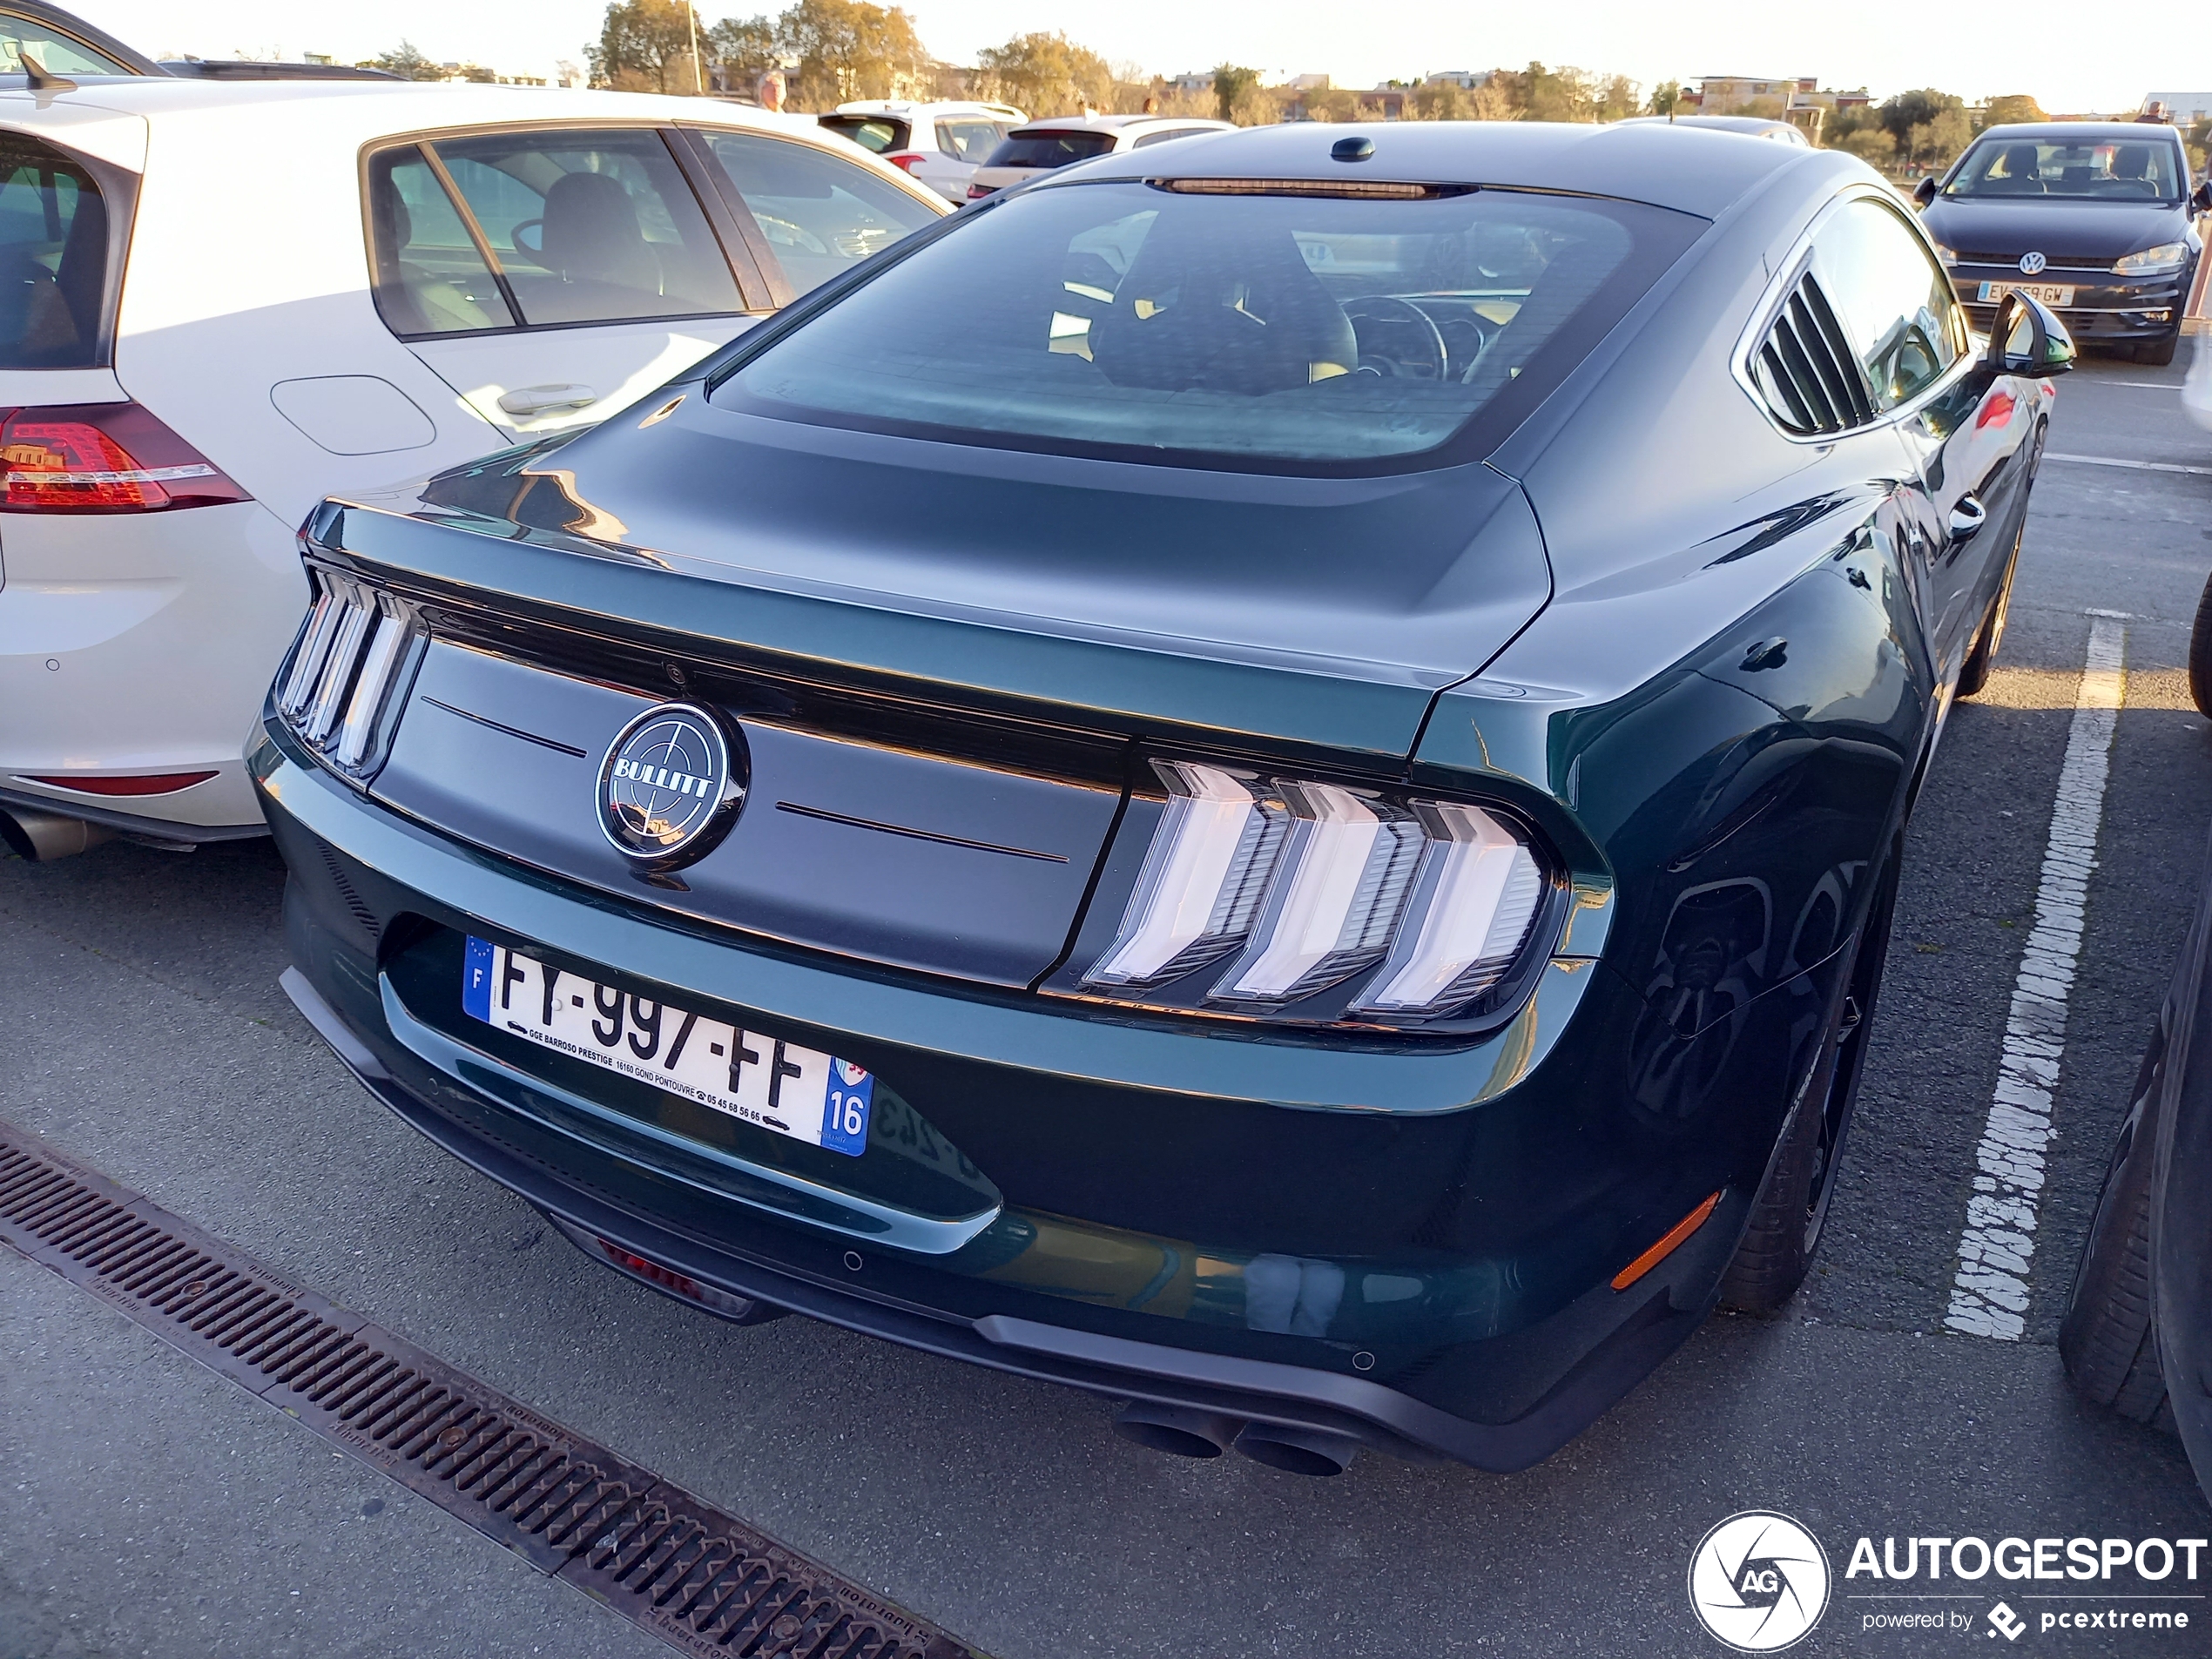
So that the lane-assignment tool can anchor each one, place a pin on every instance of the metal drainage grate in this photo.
(699, 1578)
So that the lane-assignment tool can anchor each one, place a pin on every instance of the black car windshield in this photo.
(1151, 322)
(1049, 149)
(2097, 170)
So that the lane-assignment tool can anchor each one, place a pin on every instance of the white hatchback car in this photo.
(1042, 145)
(940, 144)
(221, 301)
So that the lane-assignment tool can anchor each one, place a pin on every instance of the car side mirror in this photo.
(2201, 198)
(1924, 192)
(2028, 339)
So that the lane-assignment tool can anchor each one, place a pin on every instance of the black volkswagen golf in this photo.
(1266, 778)
(2095, 219)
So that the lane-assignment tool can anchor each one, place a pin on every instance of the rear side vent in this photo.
(340, 688)
(1806, 371)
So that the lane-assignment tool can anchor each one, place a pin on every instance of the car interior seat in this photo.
(2021, 175)
(2131, 170)
(1196, 313)
(415, 299)
(591, 237)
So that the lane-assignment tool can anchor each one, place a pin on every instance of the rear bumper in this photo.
(1261, 1391)
(1462, 1256)
(135, 644)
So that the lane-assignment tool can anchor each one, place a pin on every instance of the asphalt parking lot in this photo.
(151, 1506)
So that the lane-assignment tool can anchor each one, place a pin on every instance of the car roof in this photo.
(356, 111)
(1113, 122)
(1697, 171)
(2082, 131)
(942, 107)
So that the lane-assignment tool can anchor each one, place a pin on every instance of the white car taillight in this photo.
(1310, 883)
(103, 458)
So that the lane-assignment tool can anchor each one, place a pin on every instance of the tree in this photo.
(1233, 87)
(1908, 110)
(741, 51)
(1045, 73)
(1666, 98)
(645, 45)
(1938, 141)
(2013, 106)
(404, 61)
(848, 49)
(1871, 142)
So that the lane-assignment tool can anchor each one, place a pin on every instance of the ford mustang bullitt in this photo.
(1266, 778)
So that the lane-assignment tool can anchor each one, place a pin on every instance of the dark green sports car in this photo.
(1264, 779)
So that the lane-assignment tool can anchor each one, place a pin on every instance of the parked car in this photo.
(416, 274)
(2093, 218)
(1044, 146)
(2137, 1333)
(1280, 799)
(940, 144)
(1750, 126)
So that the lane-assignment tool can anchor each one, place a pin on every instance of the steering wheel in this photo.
(515, 238)
(1368, 304)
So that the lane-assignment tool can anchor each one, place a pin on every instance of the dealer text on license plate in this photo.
(2050, 293)
(804, 1093)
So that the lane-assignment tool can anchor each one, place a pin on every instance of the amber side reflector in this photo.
(1659, 1253)
(85, 783)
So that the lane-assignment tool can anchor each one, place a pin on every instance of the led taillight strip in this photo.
(354, 649)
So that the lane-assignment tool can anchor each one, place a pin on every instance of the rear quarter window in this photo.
(54, 258)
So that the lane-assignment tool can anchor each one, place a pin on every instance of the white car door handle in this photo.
(1967, 516)
(537, 399)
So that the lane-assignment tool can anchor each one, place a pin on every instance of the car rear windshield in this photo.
(53, 257)
(1049, 149)
(874, 133)
(1203, 327)
(2104, 169)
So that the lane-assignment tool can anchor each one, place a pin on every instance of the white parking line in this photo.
(2138, 466)
(1989, 1297)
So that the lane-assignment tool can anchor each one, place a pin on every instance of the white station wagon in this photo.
(221, 301)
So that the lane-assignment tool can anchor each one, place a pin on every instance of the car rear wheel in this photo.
(2201, 655)
(1791, 1210)
(2109, 1336)
(2157, 352)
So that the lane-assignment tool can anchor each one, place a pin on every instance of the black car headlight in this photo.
(339, 690)
(1299, 885)
(2154, 261)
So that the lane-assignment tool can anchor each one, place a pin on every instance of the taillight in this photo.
(103, 458)
(909, 159)
(1302, 885)
(342, 688)
(976, 192)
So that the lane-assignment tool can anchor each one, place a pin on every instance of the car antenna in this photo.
(34, 75)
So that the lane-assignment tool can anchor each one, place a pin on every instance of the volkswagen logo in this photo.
(670, 786)
(2032, 264)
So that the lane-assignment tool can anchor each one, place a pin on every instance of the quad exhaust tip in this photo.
(1184, 1430)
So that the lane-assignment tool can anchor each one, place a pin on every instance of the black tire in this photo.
(2108, 1339)
(2201, 655)
(2157, 352)
(1791, 1210)
(1983, 658)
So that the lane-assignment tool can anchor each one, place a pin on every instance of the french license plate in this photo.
(804, 1093)
(2050, 293)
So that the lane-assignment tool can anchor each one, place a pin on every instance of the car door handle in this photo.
(1967, 516)
(537, 399)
